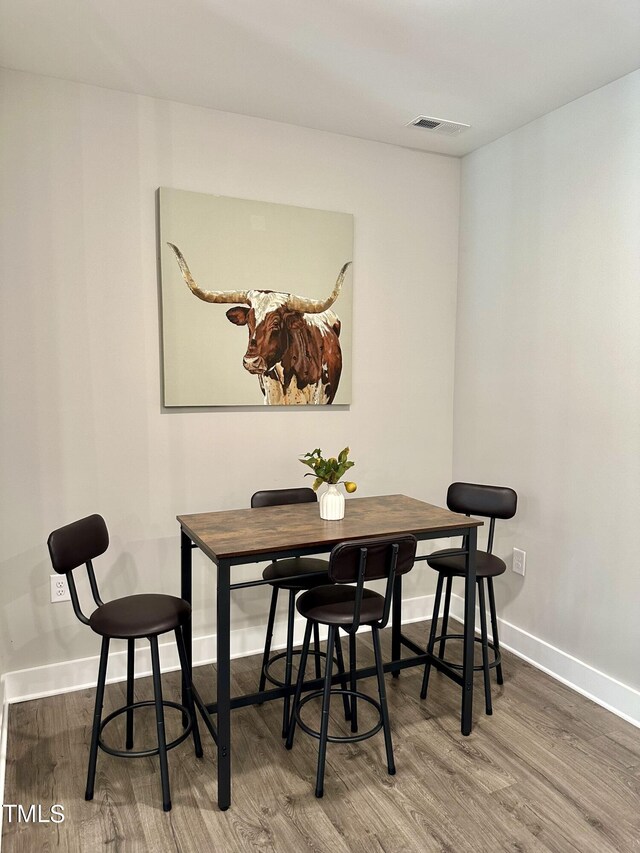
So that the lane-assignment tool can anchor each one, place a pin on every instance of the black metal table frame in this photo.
(221, 733)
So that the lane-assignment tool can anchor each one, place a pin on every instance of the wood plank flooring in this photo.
(549, 771)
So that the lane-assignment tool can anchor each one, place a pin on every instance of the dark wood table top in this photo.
(233, 534)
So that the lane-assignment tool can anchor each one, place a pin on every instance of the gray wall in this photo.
(546, 361)
(547, 382)
(80, 417)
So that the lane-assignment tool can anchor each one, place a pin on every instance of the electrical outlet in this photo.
(519, 561)
(59, 588)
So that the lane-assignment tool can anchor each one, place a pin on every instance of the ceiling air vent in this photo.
(439, 125)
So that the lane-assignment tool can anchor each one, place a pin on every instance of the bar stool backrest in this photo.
(371, 559)
(488, 501)
(281, 497)
(344, 564)
(77, 543)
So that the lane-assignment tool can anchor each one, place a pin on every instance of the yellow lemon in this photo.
(350, 487)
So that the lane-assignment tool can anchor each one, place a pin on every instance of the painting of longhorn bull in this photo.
(269, 266)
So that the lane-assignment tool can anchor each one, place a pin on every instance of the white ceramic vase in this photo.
(332, 504)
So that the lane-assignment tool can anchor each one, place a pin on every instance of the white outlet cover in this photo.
(519, 561)
(59, 588)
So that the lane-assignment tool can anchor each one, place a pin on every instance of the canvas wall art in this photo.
(256, 302)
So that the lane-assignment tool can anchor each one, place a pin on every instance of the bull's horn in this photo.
(208, 295)
(316, 306)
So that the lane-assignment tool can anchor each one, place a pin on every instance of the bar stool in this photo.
(315, 570)
(129, 618)
(490, 502)
(346, 607)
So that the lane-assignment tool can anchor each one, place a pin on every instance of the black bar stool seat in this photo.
(297, 566)
(137, 616)
(487, 565)
(333, 605)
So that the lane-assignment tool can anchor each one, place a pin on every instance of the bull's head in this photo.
(272, 318)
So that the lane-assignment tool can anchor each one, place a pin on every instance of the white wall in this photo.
(82, 427)
(547, 384)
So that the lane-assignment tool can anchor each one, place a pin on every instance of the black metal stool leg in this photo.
(342, 671)
(494, 629)
(182, 654)
(432, 636)
(375, 635)
(396, 622)
(296, 699)
(485, 647)
(131, 652)
(316, 649)
(97, 717)
(289, 661)
(445, 618)
(268, 639)
(162, 743)
(326, 703)
(353, 683)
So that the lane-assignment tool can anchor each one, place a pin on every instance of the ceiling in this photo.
(359, 67)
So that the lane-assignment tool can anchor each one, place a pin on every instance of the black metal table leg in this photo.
(223, 679)
(396, 621)
(186, 592)
(469, 631)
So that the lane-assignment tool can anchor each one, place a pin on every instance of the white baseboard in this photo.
(68, 676)
(619, 698)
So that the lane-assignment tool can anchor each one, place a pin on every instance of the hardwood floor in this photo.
(549, 771)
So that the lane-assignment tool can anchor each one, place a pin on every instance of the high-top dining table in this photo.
(237, 537)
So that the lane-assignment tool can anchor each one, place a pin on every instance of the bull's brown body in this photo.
(294, 343)
(296, 356)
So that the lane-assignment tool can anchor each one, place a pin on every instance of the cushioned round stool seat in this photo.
(297, 566)
(139, 616)
(487, 565)
(333, 605)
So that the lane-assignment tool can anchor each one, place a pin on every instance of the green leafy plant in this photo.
(330, 470)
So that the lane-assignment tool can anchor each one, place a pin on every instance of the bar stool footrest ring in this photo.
(296, 652)
(340, 738)
(143, 753)
(497, 659)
